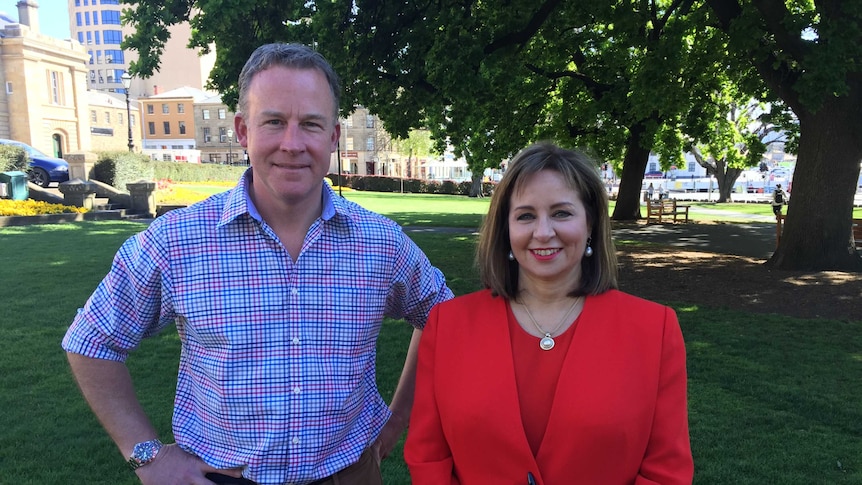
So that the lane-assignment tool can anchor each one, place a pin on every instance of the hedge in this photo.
(380, 183)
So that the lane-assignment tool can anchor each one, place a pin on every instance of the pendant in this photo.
(547, 343)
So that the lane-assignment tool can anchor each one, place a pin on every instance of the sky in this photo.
(53, 16)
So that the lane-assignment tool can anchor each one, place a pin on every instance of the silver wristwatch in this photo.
(144, 453)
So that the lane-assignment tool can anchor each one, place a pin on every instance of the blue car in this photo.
(44, 169)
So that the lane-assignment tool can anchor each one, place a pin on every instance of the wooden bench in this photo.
(855, 227)
(665, 208)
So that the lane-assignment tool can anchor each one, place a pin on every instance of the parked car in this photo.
(44, 169)
(654, 174)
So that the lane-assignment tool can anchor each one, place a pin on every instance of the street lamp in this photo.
(127, 83)
(229, 146)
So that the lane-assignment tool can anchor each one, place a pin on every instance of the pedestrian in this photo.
(278, 289)
(650, 191)
(550, 371)
(779, 198)
(661, 192)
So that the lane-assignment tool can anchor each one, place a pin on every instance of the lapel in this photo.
(494, 366)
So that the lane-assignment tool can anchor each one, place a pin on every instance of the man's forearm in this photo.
(107, 387)
(402, 400)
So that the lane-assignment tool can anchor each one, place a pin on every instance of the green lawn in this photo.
(772, 399)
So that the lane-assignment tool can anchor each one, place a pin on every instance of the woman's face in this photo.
(548, 231)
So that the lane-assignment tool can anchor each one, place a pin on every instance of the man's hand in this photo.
(173, 466)
(389, 436)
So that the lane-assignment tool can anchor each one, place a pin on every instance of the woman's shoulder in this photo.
(619, 301)
(480, 298)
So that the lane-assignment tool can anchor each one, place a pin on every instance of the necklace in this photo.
(547, 342)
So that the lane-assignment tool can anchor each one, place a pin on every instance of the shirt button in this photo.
(295, 441)
(296, 390)
(294, 291)
(296, 340)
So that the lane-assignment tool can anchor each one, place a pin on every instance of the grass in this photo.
(772, 399)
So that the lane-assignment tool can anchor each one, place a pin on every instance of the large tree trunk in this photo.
(726, 177)
(817, 229)
(628, 206)
(476, 186)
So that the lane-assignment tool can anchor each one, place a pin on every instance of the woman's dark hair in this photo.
(598, 272)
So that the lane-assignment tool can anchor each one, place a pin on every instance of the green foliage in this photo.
(120, 168)
(377, 183)
(196, 172)
(13, 158)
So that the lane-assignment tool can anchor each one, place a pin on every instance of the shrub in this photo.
(120, 168)
(13, 158)
(31, 207)
(196, 172)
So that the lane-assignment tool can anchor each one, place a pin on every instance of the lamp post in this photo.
(229, 146)
(127, 83)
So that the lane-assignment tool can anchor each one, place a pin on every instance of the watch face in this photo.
(144, 453)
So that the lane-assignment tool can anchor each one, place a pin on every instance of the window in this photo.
(107, 117)
(132, 121)
(222, 113)
(116, 56)
(86, 18)
(78, 19)
(207, 136)
(348, 122)
(349, 143)
(369, 121)
(110, 2)
(181, 108)
(215, 157)
(55, 80)
(149, 109)
(182, 127)
(8, 88)
(369, 143)
(166, 157)
(165, 108)
(206, 114)
(81, 39)
(97, 37)
(691, 167)
(222, 134)
(120, 120)
(96, 18)
(167, 127)
(112, 36)
(151, 128)
(89, 37)
(93, 116)
(111, 17)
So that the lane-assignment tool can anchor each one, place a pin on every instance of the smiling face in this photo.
(290, 131)
(548, 232)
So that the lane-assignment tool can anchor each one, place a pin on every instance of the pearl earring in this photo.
(511, 256)
(589, 251)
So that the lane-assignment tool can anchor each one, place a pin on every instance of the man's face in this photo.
(290, 131)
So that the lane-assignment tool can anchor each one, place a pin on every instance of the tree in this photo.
(738, 142)
(417, 144)
(810, 56)
(487, 77)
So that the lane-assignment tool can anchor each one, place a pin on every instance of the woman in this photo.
(550, 371)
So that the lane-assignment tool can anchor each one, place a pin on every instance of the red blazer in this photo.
(619, 415)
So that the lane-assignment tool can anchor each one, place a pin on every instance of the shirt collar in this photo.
(239, 202)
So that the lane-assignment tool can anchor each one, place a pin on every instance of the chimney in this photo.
(156, 89)
(28, 14)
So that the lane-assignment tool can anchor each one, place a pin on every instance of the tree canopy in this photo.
(617, 79)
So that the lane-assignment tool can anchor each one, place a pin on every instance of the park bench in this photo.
(665, 208)
(856, 227)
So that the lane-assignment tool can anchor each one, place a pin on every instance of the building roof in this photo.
(184, 92)
(112, 100)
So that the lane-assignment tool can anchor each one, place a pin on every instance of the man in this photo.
(278, 289)
(779, 198)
